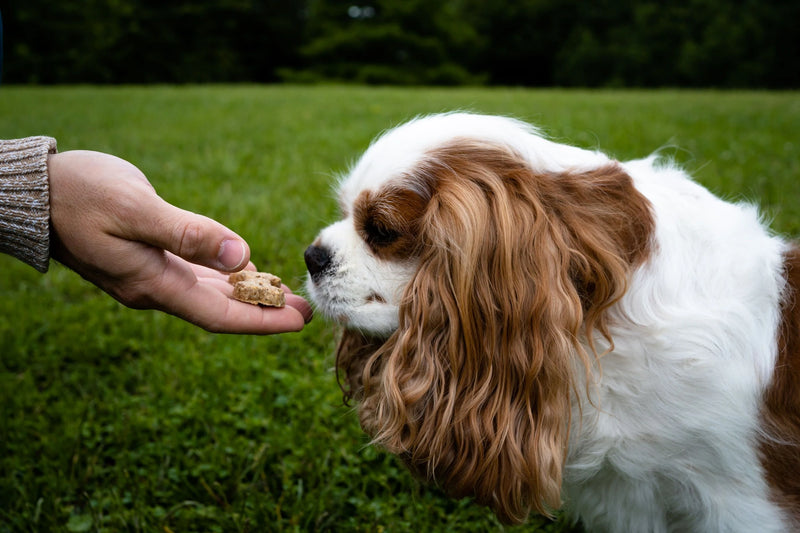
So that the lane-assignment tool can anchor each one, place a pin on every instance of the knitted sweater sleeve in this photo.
(25, 200)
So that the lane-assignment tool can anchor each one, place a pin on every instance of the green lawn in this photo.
(121, 420)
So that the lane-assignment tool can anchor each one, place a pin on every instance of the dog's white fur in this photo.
(664, 437)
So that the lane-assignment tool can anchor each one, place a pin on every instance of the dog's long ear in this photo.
(353, 351)
(474, 389)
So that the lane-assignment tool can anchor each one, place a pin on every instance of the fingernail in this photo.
(232, 254)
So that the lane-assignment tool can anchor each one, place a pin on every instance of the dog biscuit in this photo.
(243, 275)
(257, 288)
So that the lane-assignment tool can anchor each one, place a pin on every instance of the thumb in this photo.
(195, 238)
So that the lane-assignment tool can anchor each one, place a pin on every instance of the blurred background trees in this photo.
(638, 43)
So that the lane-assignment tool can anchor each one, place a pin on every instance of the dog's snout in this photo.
(318, 259)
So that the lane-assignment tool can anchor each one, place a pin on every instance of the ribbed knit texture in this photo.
(25, 200)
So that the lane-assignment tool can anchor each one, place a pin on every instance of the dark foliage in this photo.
(640, 43)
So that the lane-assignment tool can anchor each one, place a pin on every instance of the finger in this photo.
(292, 300)
(205, 272)
(234, 316)
(195, 238)
(302, 306)
(206, 303)
(221, 285)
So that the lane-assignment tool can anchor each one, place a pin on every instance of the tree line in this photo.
(601, 43)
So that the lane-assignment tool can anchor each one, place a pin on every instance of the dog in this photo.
(538, 326)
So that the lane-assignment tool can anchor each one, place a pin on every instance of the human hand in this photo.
(110, 226)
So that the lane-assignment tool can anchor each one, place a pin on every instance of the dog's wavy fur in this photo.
(528, 322)
(506, 309)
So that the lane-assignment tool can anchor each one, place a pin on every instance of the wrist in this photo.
(25, 194)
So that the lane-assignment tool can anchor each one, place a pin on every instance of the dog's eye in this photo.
(378, 234)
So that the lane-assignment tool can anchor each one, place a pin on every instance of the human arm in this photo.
(25, 200)
(109, 225)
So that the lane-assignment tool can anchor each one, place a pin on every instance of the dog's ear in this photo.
(474, 389)
(353, 351)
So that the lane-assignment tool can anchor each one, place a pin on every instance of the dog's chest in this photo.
(657, 436)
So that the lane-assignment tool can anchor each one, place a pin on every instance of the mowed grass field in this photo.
(119, 420)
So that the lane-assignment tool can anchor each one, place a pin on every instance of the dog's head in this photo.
(471, 258)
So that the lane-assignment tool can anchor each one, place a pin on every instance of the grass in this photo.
(122, 420)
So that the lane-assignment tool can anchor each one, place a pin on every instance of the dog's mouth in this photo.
(372, 314)
(327, 304)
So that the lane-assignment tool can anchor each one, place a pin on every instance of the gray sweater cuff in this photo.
(25, 200)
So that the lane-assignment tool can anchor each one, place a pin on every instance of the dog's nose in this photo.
(318, 259)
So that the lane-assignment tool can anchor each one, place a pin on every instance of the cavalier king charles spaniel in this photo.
(533, 325)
